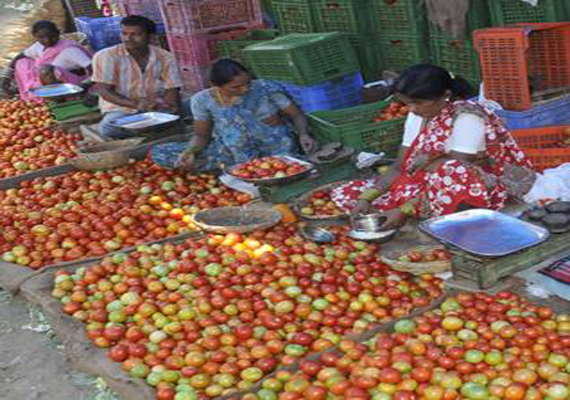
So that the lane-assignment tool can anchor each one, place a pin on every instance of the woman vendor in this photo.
(453, 156)
(49, 60)
(237, 120)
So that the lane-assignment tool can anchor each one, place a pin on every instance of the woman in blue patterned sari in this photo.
(237, 120)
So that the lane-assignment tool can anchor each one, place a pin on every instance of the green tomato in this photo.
(140, 371)
(265, 394)
(213, 269)
(295, 350)
(320, 304)
(272, 384)
(474, 356)
(405, 326)
(475, 391)
(251, 374)
(494, 357)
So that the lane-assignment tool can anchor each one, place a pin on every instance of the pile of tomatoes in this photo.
(393, 111)
(475, 346)
(214, 315)
(26, 141)
(321, 204)
(421, 255)
(20, 114)
(268, 167)
(29, 149)
(82, 214)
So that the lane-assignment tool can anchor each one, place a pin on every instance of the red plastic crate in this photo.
(202, 48)
(146, 8)
(520, 60)
(195, 16)
(194, 78)
(539, 145)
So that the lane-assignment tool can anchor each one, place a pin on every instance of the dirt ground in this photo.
(32, 364)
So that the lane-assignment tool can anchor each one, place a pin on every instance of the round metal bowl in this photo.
(318, 235)
(377, 237)
(368, 223)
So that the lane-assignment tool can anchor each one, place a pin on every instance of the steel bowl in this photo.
(368, 223)
(318, 235)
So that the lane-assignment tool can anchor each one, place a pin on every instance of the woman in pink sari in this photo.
(49, 60)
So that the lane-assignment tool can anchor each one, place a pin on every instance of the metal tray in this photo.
(56, 90)
(276, 181)
(144, 122)
(484, 232)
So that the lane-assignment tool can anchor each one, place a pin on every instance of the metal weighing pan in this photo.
(56, 90)
(146, 122)
(484, 233)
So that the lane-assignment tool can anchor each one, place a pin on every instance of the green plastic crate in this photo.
(294, 16)
(328, 174)
(70, 109)
(303, 59)
(234, 48)
(508, 12)
(399, 16)
(403, 50)
(355, 127)
(457, 56)
(346, 16)
(369, 53)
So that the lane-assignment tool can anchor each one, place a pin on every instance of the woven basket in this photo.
(304, 199)
(416, 268)
(106, 155)
(236, 219)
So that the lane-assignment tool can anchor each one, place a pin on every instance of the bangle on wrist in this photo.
(370, 195)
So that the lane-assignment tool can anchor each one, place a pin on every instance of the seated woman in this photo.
(236, 120)
(453, 155)
(49, 60)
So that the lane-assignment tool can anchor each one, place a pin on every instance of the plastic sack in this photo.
(553, 184)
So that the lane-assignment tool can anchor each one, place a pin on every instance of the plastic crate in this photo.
(289, 191)
(194, 78)
(146, 8)
(346, 16)
(303, 59)
(199, 49)
(84, 8)
(101, 32)
(508, 12)
(519, 59)
(331, 95)
(539, 145)
(294, 16)
(369, 53)
(457, 56)
(553, 112)
(355, 127)
(234, 48)
(399, 16)
(403, 50)
(196, 16)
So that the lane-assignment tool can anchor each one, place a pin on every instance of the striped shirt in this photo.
(115, 66)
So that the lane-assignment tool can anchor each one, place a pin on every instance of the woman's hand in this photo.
(186, 161)
(308, 144)
(394, 219)
(362, 207)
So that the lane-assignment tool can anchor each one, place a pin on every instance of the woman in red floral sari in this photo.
(453, 155)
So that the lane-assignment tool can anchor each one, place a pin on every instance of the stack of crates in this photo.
(319, 70)
(234, 49)
(194, 28)
(402, 32)
(349, 17)
(456, 53)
